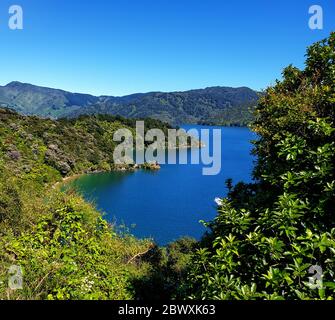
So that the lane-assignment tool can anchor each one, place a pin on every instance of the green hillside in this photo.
(265, 243)
(66, 249)
(217, 105)
(274, 238)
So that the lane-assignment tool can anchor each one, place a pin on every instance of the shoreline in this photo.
(124, 168)
(67, 179)
(145, 166)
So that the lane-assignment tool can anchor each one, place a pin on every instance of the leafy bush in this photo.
(62, 244)
(268, 234)
(71, 253)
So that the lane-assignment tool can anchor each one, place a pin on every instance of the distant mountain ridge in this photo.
(217, 105)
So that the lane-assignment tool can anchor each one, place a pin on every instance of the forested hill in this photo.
(217, 105)
(64, 247)
(270, 234)
(66, 146)
(264, 241)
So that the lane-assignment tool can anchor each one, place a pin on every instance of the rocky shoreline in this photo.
(151, 166)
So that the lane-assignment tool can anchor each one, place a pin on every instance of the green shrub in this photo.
(267, 235)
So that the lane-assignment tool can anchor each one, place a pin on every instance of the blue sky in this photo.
(117, 47)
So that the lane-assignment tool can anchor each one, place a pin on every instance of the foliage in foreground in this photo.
(268, 234)
(262, 244)
(71, 253)
(65, 249)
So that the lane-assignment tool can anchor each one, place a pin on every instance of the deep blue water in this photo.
(169, 203)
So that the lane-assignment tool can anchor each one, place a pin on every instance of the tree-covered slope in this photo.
(33, 100)
(275, 238)
(271, 239)
(219, 105)
(61, 243)
(70, 146)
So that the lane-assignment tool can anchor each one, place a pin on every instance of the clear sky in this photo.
(117, 47)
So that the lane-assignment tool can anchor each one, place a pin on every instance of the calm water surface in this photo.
(169, 203)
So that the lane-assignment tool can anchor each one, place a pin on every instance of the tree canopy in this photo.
(268, 234)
